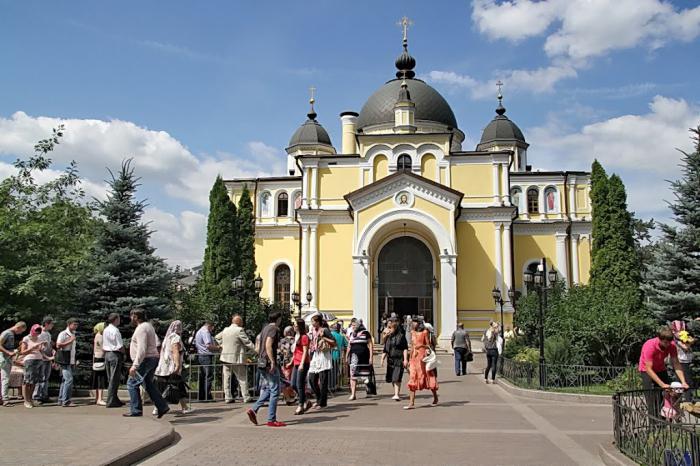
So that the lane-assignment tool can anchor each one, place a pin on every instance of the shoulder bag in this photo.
(430, 360)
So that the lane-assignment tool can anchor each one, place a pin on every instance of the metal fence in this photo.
(576, 378)
(649, 439)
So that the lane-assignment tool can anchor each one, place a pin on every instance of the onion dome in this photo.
(311, 133)
(500, 129)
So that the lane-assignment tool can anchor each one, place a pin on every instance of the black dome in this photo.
(311, 132)
(430, 105)
(501, 129)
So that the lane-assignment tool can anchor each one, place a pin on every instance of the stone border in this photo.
(554, 396)
(151, 445)
(611, 456)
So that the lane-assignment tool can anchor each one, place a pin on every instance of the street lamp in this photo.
(541, 279)
(498, 299)
(240, 288)
(309, 297)
(296, 299)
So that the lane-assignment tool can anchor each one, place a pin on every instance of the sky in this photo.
(191, 90)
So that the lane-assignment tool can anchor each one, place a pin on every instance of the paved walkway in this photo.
(474, 424)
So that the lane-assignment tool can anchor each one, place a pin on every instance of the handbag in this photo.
(98, 366)
(470, 356)
(62, 357)
(430, 360)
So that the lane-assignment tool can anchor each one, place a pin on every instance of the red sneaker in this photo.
(276, 424)
(252, 416)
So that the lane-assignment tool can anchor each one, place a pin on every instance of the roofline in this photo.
(468, 153)
(327, 156)
(271, 178)
(396, 175)
(549, 173)
(447, 133)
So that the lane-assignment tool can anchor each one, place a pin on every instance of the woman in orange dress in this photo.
(420, 379)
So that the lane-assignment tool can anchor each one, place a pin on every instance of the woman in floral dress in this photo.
(420, 378)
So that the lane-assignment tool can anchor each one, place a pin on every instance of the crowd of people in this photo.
(298, 363)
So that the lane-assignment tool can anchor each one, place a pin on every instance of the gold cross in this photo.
(313, 91)
(405, 23)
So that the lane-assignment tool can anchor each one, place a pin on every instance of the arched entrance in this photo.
(405, 272)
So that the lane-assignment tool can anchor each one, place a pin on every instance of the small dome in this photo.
(430, 105)
(310, 133)
(500, 129)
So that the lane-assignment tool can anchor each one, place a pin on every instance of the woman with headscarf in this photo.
(99, 372)
(360, 354)
(169, 370)
(420, 378)
(31, 351)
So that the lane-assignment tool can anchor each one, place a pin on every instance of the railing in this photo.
(568, 378)
(649, 439)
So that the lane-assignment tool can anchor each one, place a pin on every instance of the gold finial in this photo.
(405, 23)
(499, 84)
(312, 90)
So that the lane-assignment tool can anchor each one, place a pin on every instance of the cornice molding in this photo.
(487, 214)
(540, 228)
(416, 186)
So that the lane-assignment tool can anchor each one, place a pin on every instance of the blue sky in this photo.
(193, 89)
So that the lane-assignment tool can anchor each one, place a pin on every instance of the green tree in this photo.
(673, 280)
(127, 272)
(45, 234)
(600, 215)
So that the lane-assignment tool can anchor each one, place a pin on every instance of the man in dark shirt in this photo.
(396, 353)
(269, 372)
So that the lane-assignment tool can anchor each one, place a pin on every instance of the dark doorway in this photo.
(405, 279)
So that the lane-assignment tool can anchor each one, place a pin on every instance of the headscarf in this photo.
(98, 328)
(174, 327)
(35, 330)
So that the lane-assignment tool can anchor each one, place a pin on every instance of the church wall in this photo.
(335, 268)
(476, 270)
(529, 248)
(271, 251)
(439, 213)
(583, 207)
(427, 167)
(475, 181)
(381, 167)
(336, 182)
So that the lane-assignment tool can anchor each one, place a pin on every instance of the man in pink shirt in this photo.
(652, 365)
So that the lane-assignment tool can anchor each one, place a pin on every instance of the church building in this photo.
(400, 217)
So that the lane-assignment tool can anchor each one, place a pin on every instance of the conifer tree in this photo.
(673, 279)
(221, 262)
(599, 208)
(246, 238)
(127, 272)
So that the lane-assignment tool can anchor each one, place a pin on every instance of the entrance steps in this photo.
(476, 322)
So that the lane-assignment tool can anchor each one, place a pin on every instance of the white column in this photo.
(314, 188)
(448, 298)
(574, 260)
(572, 201)
(540, 200)
(313, 267)
(496, 184)
(305, 188)
(562, 261)
(507, 260)
(360, 287)
(505, 190)
(304, 262)
(498, 258)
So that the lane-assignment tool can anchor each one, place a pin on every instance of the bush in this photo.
(513, 347)
(559, 351)
(528, 355)
(630, 379)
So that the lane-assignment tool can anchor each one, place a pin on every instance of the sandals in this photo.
(299, 411)
(409, 407)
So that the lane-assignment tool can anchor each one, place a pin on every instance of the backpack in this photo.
(490, 343)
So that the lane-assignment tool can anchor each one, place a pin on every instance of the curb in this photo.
(612, 457)
(554, 396)
(151, 445)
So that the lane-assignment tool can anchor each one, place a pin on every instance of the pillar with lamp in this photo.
(540, 281)
(498, 299)
(239, 286)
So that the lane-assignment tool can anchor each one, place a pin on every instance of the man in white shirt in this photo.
(66, 342)
(234, 342)
(41, 391)
(113, 347)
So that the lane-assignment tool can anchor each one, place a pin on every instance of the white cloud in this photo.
(539, 80)
(166, 167)
(641, 148)
(581, 29)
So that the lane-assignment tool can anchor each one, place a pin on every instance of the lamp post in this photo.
(309, 298)
(296, 299)
(498, 299)
(242, 290)
(540, 281)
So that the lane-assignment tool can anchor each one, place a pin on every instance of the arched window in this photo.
(282, 282)
(265, 205)
(404, 162)
(550, 200)
(533, 205)
(283, 205)
(515, 195)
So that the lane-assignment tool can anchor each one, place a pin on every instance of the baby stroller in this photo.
(671, 410)
(364, 373)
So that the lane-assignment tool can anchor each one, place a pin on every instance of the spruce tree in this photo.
(246, 238)
(600, 220)
(127, 272)
(673, 280)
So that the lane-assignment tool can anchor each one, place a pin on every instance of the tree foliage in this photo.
(673, 279)
(45, 233)
(127, 272)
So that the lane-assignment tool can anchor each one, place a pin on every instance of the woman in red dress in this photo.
(420, 379)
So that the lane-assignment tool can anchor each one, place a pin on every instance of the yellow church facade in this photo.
(403, 219)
